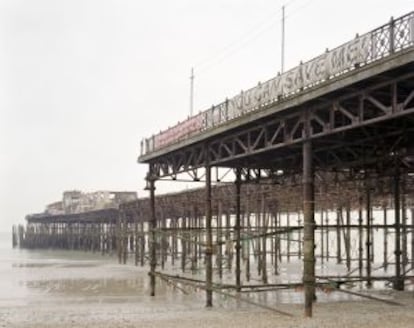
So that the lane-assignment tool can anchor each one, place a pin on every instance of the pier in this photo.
(319, 166)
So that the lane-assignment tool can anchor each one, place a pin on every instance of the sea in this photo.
(40, 284)
(63, 276)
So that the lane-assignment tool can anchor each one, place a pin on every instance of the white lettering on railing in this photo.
(351, 55)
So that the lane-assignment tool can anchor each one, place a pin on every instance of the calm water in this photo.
(65, 277)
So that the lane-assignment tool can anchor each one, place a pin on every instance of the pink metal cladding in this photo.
(385, 40)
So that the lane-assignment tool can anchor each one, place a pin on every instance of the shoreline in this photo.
(159, 313)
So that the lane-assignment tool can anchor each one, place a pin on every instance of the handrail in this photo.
(395, 36)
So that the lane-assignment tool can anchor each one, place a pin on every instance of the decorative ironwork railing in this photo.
(381, 42)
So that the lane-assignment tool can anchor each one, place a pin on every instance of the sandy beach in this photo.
(131, 314)
(76, 289)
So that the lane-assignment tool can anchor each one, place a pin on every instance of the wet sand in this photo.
(73, 289)
(131, 314)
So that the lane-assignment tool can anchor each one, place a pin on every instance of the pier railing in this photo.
(395, 36)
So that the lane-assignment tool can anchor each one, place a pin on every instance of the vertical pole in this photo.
(209, 247)
(173, 225)
(118, 239)
(276, 244)
(264, 239)
(229, 251)
(360, 245)
(404, 224)
(283, 40)
(136, 239)
(258, 228)
(238, 245)
(219, 258)
(299, 234)
(124, 239)
(247, 225)
(327, 235)
(142, 243)
(348, 238)
(384, 210)
(338, 235)
(309, 228)
(368, 237)
(153, 223)
(412, 238)
(14, 239)
(398, 282)
(288, 236)
(192, 92)
(184, 242)
(197, 236)
(322, 236)
(163, 238)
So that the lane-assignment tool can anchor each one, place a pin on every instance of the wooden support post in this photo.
(209, 247)
(309, 228)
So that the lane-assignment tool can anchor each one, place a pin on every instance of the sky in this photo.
(83, 81)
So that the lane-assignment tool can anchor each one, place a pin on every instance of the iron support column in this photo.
(209, 247)
(398, 283)
(309, 228)
(238, 245)
(153, 225)
(368, 240)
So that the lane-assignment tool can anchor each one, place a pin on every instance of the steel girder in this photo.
(358, 125)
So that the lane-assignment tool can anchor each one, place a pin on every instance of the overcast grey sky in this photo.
(82, 81)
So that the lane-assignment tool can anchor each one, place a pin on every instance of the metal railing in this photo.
(381, 42)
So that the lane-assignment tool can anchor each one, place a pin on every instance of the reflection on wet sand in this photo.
(76, 289)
